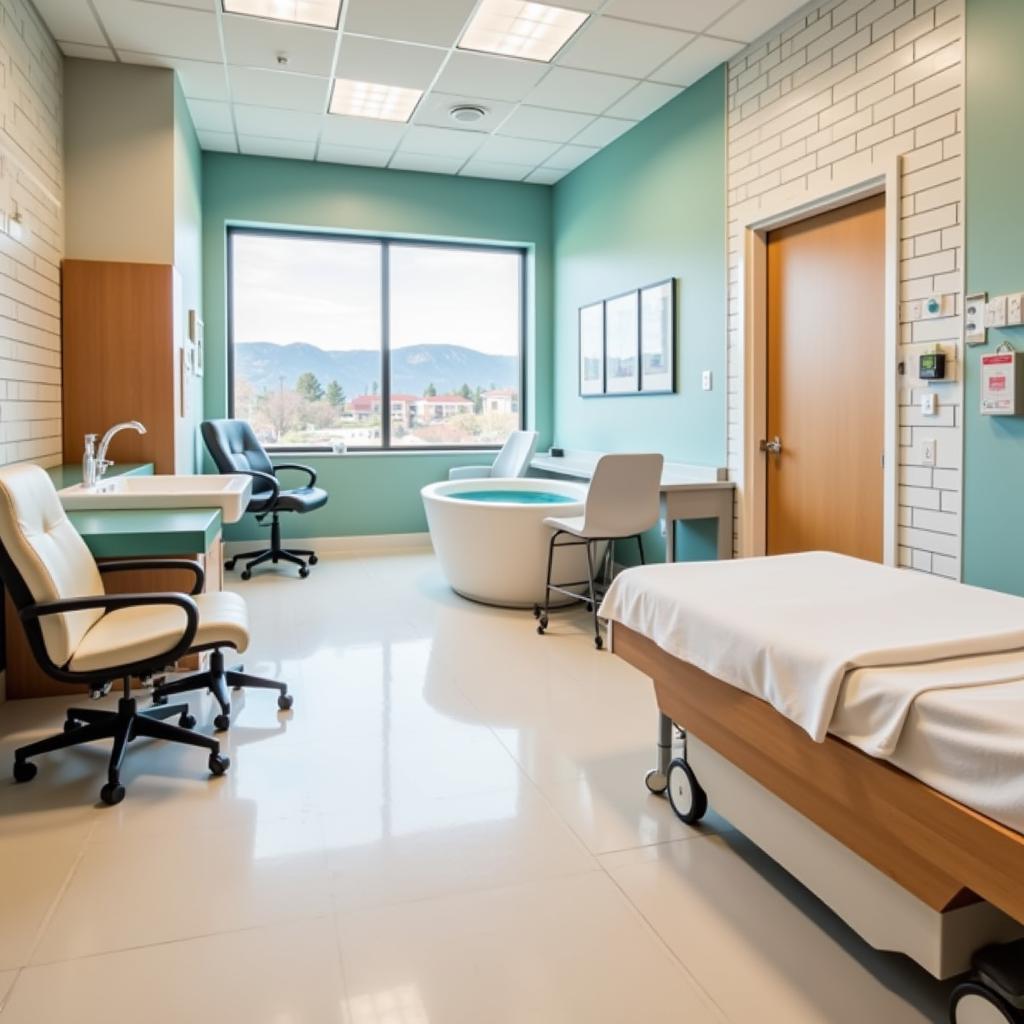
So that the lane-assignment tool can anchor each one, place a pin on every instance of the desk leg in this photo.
(657, 780)
(725, 524)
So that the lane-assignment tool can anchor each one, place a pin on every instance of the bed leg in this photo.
(657, 780)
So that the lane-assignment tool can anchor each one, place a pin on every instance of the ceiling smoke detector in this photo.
(467, 113)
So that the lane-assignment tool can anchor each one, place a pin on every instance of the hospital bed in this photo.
(865, 727)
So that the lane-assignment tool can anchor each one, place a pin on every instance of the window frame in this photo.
(385, 242)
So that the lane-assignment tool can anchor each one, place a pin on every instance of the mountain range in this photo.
(413, 369)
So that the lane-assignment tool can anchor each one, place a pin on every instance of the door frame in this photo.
(757, 220)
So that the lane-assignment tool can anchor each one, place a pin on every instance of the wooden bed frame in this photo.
(945, 854)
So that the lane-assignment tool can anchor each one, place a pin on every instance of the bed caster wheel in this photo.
(222, 722)
(159, 700)
(688, 800)
(24, 771)
(972, 1003)
(656, 782)
(246, 574)
(219, 764)
(285, 701)
(313, 559)
(229, 564)
(112, 793)
(598, 642)
(187, 721)
(303, 571)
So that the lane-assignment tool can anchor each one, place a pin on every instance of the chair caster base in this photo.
(303, 571)
(222, 722)
(70, 725)
(229, 564)
(24, 771)
(219, 764)
(246, 574)
(112, 793)
(598, 642)
(536, 611)
(285, 701)
(656, 782)
(159, 700)
(313, 559)
(187, 721)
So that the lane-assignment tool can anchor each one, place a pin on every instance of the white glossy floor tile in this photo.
(285, 973)
(565, 950)
(136, 890)
(761, 945)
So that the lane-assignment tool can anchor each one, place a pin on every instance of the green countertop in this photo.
(71, 473)
(127, 533)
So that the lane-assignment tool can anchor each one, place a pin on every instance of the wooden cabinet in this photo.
(123, 332)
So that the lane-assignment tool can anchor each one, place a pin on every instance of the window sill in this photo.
(363, 453)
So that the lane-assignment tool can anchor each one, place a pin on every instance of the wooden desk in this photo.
(687, 492)
(116, 534)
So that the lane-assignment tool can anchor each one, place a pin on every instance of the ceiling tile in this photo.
(692, 15)
(253, 145)
(388, 63)
(252, 42)
(199, 5)
(361, 132)
(153, 28)
(753, 18)
(86, 51)
(495, 78)
(693, 62)
(438, 22)
(570, 157)
(218, 142)
(271, 123)
(550, 125)
(200, 79)
(71, 21)
(584, 91)
(211, 116)
(500, 150)
(602, 131)
(545, 176)
(622, 47)
(353, 155)
(485, 169)
(644, 100)
(434, 108)
(439, 142)
(425, 162)
(264, 88)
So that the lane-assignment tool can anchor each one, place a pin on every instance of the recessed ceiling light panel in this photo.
(514, 28)
(371, 99)
(321, 13)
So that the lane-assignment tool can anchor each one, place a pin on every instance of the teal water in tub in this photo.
(514, 496)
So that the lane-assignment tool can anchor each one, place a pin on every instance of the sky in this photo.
(327, 292)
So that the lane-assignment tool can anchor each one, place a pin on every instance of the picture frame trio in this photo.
(627, 343)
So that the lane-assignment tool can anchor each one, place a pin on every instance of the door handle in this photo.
(772, 447)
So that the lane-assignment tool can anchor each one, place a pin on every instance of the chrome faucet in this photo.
(95, 462)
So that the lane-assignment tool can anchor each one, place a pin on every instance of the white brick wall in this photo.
(831, 95)
(32, 179)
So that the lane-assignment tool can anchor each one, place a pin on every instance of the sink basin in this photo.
(230, 493)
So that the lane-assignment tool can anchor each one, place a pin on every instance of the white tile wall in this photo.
(831, 95)
(31, 177)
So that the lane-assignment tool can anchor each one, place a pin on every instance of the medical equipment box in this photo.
(1002, 384)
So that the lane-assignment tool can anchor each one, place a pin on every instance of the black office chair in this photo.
(235, 448)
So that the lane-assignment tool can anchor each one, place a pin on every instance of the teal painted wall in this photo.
(374, 494)
(650, 206)
(994, 446)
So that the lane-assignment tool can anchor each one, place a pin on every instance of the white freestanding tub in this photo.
(495, 549)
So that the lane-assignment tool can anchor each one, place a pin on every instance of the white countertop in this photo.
(676, 476)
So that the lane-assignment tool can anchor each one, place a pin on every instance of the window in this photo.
(374, 343)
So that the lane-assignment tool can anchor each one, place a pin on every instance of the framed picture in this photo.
(592, 349)
(658, 337)
(195, 335)
(622, 344)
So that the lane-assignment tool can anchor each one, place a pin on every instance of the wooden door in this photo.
(825, 387)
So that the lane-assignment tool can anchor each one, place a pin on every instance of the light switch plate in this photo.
(929, 404)
(1013, 310)
(705, 380)
(928, 452)
(995, 312)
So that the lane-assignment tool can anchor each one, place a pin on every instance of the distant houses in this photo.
(504, 401)
(411, 410)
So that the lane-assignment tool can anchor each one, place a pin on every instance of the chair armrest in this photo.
(302, 469)
(268, 502)
(158, 563)
(469, 472)
(31, 614)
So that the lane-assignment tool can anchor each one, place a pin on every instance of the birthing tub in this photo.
(491, 541)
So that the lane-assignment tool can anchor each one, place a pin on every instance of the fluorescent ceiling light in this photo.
(514, 28)
(370, 99)
(322, 13)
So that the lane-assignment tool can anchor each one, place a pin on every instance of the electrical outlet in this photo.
(995, 312)
(928, 452)
(705, 380)
(1013, 310)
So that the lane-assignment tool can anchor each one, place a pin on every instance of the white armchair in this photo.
(513, 460)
